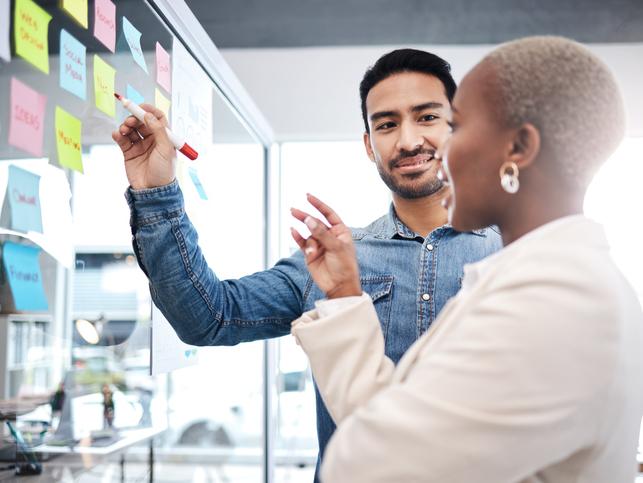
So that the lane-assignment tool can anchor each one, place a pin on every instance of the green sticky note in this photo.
(77, 9)
(104, 86)
(31, 25)
(68, 140)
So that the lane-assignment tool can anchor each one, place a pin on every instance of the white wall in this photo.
(312, 94)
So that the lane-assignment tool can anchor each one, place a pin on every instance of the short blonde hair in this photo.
(568, 94)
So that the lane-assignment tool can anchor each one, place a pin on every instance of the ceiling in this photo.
(306, 23)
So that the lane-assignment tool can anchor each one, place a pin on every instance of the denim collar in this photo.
(390, 226)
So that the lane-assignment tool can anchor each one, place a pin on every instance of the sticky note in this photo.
(73, 65)
(23, 191)
(68, 140)
(133, 37)
(77, 9)
(22, 266)
(163, 72)
(133, 95)
(105, 23)
(104, 86)
(27, 118)
(31, 24)
(5, 48)
(162, 102)
(194, 176)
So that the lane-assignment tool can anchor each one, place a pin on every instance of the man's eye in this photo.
(428, 118)
(386, 125)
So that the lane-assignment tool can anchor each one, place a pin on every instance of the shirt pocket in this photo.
(380, 289)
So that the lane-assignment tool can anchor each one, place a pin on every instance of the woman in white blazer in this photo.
(533, 372)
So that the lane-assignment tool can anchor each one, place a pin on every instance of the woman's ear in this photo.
(526, 145)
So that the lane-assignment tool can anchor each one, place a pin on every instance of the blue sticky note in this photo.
(73, 65)
(133, 95)
(133, 37)
(22, 266)
(23, 191)
(197, 183)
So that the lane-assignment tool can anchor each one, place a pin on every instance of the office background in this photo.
(285, 121)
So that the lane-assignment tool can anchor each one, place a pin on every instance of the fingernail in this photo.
(310, 223)
(309, 250)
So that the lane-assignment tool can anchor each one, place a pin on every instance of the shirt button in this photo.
(426, 297)
(429, 247)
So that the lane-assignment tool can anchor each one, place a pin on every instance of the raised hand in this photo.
(329, 251)
(150, 156)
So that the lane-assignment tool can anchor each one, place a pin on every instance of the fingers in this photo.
(300, 215)
(156, 112)
(322, 234)
(123, 141)
(330, 215)
(309, 246)
(299, 240)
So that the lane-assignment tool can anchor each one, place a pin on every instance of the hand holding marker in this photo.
(139, 113)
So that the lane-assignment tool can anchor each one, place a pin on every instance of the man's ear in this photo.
(369, 148)
(525, 146)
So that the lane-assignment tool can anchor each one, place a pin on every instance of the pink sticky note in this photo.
(105, 23)
(163, 72)
(26, 123)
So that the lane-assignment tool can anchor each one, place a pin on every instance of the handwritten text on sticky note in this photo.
(68, 140)
(31, 25)
(23, 191)
(73, 68)
(104, 86)
(163, 71)
(22, 266)
(133, 37)
(27, 118)
(105, 23)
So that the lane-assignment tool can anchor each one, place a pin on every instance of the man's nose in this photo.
(410, 137)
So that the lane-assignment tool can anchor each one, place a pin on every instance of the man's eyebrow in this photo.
(420, 107)
(379, 115)
(427, 105)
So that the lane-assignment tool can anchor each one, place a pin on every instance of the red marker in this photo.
(139, 113)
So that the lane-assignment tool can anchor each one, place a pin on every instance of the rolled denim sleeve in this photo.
(202, 309)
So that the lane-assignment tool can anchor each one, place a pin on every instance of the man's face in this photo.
(407, 116)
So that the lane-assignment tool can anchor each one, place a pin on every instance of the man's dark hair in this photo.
(406, 60)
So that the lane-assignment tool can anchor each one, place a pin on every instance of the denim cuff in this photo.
(154, 204)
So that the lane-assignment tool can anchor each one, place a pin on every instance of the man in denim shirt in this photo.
(410, 261)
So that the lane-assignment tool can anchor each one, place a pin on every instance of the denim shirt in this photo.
(409, 278)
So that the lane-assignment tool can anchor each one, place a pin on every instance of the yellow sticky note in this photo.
(104, 86)
(77, 9)
(68, 140)
(31, 25)
(162, 102)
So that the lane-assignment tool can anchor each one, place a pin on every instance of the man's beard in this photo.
(409, 191)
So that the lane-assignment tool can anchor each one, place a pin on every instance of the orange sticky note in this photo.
(31, 25)
(27, 119)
